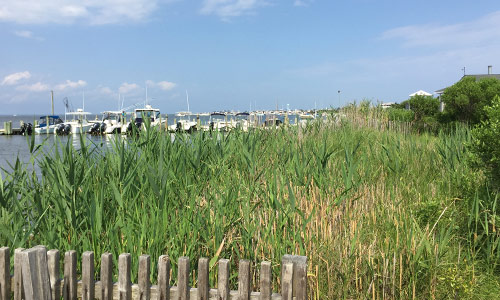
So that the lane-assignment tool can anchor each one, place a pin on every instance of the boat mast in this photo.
(187, 100)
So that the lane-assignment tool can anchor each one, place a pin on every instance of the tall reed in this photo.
(378, 213)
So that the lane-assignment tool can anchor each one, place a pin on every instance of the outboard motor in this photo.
(102, 128)
(95, 128)
(26, 129)
(67, 129)
(60, 129)
(192, 129)
(63, 129)
(178, 127)
(138, 126)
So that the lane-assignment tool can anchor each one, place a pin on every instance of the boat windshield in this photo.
(148, 114)
(53, 120)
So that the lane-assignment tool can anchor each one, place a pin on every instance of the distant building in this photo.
(387, 104)
(420, 93)
(476, 76)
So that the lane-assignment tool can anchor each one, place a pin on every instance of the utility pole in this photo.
(52, 100)
(463, 69)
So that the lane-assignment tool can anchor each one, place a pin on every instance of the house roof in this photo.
(476, 76)
(420, 93)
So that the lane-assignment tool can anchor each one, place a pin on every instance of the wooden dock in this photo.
(8, 130)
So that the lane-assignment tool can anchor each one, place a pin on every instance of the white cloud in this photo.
(70, 11)
(105, 90)
(35, 87)
(27, 35)
(127, 87)
(70, 85)
(482, 31)
(164, 85)
(15, 77)
(302, 2)
(227, 9)
(24, 33)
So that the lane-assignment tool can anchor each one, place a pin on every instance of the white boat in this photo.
(243, 121)
(78, 124)
(184, 125)
(54, 121)
(140, 115)
(220, 122)
(183, 113)
(112, 122)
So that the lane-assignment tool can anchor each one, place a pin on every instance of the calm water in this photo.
(16, 146)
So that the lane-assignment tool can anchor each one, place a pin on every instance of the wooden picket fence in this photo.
(37, 276)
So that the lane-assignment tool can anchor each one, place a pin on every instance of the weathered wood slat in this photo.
(106, 291)
(69, 283)
(43, 278)
(183, 279)
(223, 280)
(174, 293)
(88, 284)
(124, 284)
(163, 278)
(265, 280)
(18, 279)
(299, 281)
(4, 273)
(144, 274)
(244, 280)
(53, 258)
(287, 281)
(203, 284)
(36, 274)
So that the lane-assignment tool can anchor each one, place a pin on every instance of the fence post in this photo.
(18, 279)
(36, 274)
(4, 273)
(88, 283)
(69, 286)
(183, 280)
(287, 281)
(223, 280)
(106, 276)
(244, 280)
(144, 274)
(163, 278)
(54, 273)
(265, 281)
(124, 285)
(203, 286)
(299, 283)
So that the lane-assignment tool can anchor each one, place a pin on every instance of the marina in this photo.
(121, 122)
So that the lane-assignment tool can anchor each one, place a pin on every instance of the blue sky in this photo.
(233, 54)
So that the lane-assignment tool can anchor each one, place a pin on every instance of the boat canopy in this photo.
(50, 117)
(243, 114)
(218, 114)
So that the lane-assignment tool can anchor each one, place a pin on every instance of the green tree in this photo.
(423, 106)
(466, 99)
(485, 145)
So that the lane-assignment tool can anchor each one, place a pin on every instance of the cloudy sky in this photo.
(237, 54)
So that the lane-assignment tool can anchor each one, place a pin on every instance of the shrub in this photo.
(485, 145)
(399, 114)
(466, 99)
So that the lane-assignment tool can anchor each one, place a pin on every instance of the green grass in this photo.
(380, 214)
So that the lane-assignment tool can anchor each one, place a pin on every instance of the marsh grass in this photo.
(381, 214)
